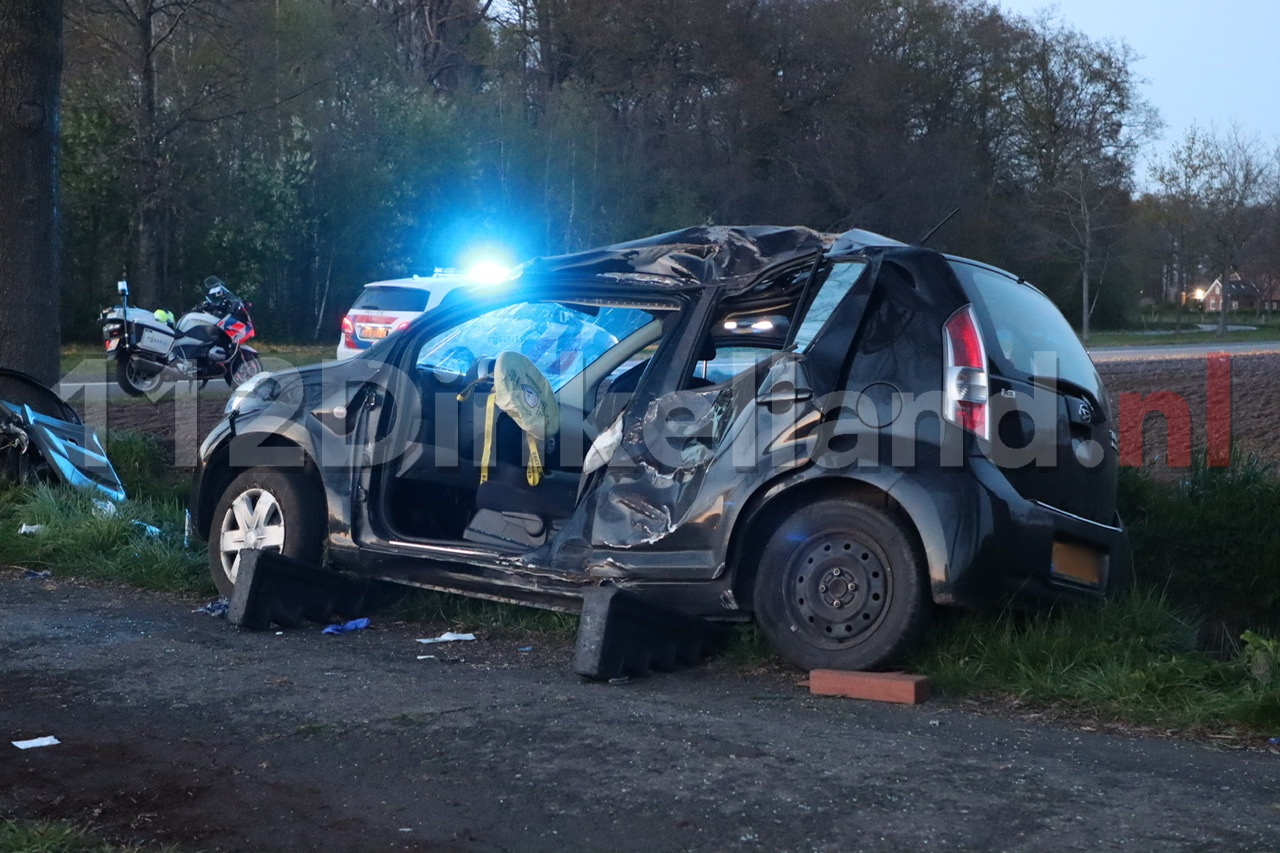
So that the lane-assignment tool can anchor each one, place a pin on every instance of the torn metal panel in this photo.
(704, 254)
(41, 437)
(657, 473)
(695, 454)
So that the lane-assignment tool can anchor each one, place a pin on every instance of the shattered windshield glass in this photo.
(560, 338)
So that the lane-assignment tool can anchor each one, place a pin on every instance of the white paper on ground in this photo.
(447, 637)
(49, 740)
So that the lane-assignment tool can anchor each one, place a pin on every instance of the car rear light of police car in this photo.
(965, 377)
(348, 332)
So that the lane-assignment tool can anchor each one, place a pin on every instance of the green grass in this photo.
(495, 619)
(146, 467)
(1192, 647)
(79, 536)
(32, 836)
(1133, 660)
(1186, 336)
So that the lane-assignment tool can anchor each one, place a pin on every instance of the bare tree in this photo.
(1215, 193)
(30, 68)
(1080, 123)
(138, 46)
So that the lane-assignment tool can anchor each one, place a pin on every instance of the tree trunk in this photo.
(144, 272)
(30, 275)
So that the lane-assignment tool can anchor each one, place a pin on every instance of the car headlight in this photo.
(257, 392)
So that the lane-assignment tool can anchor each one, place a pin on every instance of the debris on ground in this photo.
(447, 637)
(217, 607)
(30, 529)
(32, 574)
(43, 439)
(353, 625)
(48, 740)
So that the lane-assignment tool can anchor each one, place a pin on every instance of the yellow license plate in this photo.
(1077, 563)
(373, 331)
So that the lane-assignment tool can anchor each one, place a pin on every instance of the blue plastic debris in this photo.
(353, 625)
(32, 573)
(525, 649)
(1274, 740)
(214, 608)
(149, 529)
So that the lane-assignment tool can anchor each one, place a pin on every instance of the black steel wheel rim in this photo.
(837, 589)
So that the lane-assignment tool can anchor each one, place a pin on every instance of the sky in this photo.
(1207, 62)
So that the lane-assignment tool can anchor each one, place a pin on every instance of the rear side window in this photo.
(830, 293)
(1020, 321)
(392, 299)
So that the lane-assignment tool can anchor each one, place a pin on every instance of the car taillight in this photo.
(349, 333)
(965, 375)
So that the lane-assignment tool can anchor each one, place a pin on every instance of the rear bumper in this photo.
(990, 545)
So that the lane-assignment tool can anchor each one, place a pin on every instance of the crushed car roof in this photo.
(704, 254)
(721, 255)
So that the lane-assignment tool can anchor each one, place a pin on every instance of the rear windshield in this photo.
(1020, 321)
(392, 299)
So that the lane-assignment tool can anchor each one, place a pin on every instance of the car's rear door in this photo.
(1052, 431)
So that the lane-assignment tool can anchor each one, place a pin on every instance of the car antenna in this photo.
(935, 228)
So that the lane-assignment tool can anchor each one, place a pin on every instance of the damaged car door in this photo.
(741, 408)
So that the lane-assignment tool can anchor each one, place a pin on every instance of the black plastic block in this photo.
(621, 633)
(273, 589)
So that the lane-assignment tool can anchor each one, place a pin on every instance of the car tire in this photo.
(135, 382)
(842, 585)
(279, 511)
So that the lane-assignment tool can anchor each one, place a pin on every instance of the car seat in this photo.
(519, 496)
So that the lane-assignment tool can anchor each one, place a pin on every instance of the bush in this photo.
(1210, 542)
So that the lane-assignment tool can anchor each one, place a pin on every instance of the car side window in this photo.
(830, 293)
(559, 338)
(729, 362)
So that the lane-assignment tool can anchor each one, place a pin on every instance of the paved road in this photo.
(1134, 353)
(175, 726)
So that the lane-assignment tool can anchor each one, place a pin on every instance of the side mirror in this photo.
(122, 287)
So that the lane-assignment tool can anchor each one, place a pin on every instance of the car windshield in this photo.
(1023, 322)
(392, 299)
(560, 338)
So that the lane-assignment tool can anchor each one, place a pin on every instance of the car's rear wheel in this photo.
(270, 510)
(842, 584)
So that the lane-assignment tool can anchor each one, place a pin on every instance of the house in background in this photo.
(1240, 294)
(1269, 296)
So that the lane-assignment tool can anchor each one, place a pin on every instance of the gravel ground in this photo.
(176, 727)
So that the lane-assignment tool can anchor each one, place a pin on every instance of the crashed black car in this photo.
(828, 433)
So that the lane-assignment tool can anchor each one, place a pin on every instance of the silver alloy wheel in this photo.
(254, 520)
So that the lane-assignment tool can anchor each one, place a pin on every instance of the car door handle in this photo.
(781, 395)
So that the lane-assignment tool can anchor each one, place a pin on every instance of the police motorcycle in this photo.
(151, 347)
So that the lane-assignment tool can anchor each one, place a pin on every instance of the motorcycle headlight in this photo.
(257, 392)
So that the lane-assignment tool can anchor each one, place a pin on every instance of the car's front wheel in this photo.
(269, 510)
(842, 584)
